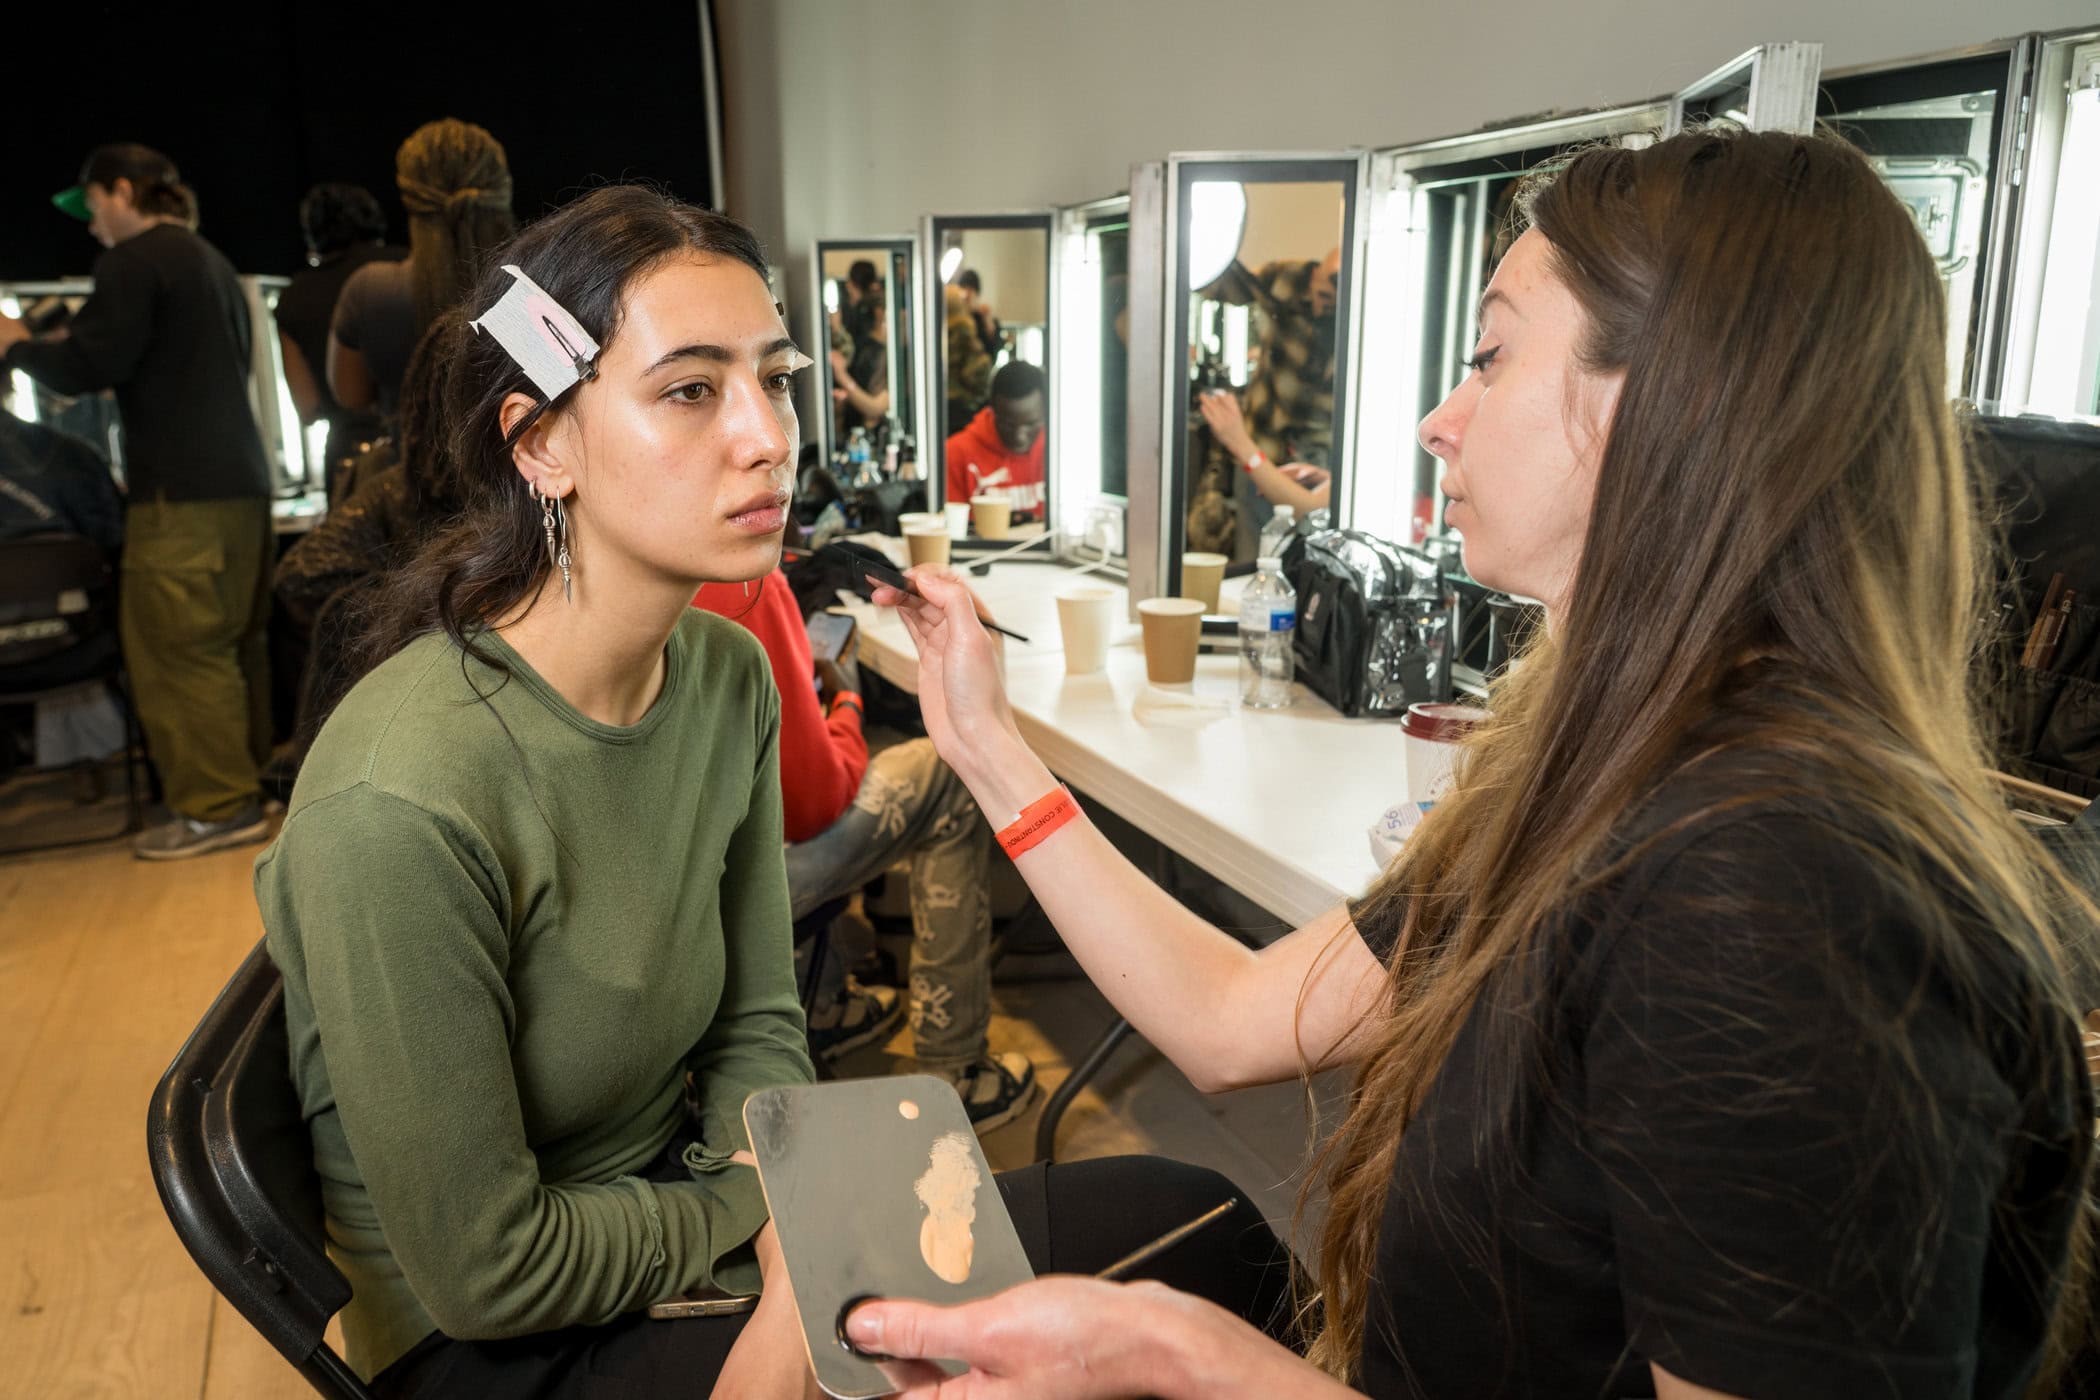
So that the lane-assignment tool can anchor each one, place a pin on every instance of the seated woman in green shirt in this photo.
(529, 900)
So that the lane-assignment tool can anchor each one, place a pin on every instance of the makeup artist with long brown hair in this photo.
(1712, 1038)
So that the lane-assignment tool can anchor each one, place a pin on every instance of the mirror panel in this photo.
(866, 369)
(988, 293)
(1937, 131)
(1264, 258)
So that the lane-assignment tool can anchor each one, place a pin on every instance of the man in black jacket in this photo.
(168, 329)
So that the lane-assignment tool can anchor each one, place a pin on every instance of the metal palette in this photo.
(878, 1189)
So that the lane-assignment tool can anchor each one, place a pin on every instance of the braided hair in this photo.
(455, 184)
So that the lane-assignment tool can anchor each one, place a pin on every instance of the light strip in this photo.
(2067, 343)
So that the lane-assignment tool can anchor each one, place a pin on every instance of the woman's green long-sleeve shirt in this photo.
(507, 932)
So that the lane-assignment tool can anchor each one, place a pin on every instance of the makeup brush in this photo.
(1146, 1253)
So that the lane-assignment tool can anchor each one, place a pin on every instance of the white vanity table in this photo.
(1275, 804)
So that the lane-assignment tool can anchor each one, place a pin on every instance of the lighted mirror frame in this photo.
(1350, 171)
(933, 345)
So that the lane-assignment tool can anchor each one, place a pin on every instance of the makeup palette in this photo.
(878, 1189)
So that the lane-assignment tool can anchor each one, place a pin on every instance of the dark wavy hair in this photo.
(335, 216)
(493, 556)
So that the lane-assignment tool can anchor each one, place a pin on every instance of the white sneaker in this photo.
(184, 837)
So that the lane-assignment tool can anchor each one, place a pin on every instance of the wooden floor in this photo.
(107, 962)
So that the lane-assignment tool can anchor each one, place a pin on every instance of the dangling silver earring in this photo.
(747, 588)
(561, 558)
(554, 524)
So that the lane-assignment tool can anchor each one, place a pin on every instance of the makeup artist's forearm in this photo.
(1207, 1353)
(1189, 988)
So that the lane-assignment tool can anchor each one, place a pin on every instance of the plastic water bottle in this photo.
(1268, 622)
(1277, 533)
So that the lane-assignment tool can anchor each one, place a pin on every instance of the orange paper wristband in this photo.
(1038, 821)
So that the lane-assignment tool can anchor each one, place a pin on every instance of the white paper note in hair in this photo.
(546, 341)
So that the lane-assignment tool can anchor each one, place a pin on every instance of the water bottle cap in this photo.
(1269, 564)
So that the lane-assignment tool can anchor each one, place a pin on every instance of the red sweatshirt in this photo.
(1018, 476)
(822, 757)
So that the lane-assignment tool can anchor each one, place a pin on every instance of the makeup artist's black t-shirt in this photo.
(1727, 1165)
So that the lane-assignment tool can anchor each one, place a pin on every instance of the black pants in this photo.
(1073, 1218)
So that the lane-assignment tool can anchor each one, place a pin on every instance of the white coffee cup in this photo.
(919, 518)
(1434, 734)
(1086, 615)
(957, 514)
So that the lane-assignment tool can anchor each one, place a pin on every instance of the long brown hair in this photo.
(455, 184)
(1782, 488)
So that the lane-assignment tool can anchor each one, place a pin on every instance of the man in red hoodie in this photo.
(848, 818)
(1000, 451)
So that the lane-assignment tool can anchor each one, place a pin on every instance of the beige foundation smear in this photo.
(907, 1108)
(948, 1190)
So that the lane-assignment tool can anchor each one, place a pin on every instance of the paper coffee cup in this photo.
(957, 515)
(992, 515)
(927, 541)
(1201, 577)
(1086, 614)
(920, 517)
(1173, 629)
(1434, 732)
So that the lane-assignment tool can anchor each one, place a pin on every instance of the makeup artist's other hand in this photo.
(961, 694)
(1054, 1339)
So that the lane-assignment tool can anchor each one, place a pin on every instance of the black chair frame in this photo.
(233, 1160)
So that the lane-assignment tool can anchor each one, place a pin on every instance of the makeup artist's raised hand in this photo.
(961, 694)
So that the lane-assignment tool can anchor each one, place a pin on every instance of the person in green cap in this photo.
(168, 329)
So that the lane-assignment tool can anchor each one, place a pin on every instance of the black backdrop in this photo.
(257, 101)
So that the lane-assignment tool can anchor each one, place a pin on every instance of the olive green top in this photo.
(507, 933)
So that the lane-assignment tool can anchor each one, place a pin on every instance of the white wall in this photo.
(1290, 220)
(851, 117)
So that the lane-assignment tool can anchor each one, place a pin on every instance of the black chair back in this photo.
(56, 591)
(233, 1160)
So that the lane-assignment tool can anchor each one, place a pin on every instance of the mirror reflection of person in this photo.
(1288, 401)
(969, 363)
(1000, 451)
(859, 293)
(1717, 1033)
(1300, 485)
(990, 333)
(860, 378)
